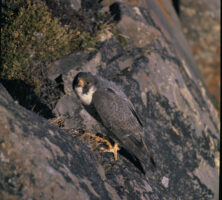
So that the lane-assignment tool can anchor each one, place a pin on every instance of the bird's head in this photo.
(84, 84)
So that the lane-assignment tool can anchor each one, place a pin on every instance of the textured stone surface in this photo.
(162, 81)
(39, 161)
(168, 93)
(200, 22)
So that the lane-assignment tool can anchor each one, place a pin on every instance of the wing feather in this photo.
(119, 116)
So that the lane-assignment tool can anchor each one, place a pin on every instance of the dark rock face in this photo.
(157, 73)
(42, 162)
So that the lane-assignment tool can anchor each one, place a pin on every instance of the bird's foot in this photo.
(113, 149)
(99, 140)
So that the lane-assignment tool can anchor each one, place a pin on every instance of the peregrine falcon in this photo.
(106, 102)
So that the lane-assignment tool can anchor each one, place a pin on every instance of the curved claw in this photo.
(113, 149)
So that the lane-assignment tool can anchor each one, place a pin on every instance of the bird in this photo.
(108, 104)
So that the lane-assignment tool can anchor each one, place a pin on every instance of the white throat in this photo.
(85, 98)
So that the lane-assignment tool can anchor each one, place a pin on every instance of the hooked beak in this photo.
(81, 83)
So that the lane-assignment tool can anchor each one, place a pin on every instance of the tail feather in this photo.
(146, 159)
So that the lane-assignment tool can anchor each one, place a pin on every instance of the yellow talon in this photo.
(113, 149)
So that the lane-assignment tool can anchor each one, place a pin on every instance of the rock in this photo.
(39, 161)
(162, 81)
(201, 25)
(165, 86)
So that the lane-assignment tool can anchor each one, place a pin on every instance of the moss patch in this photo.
(30, 33)
(31, 37)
